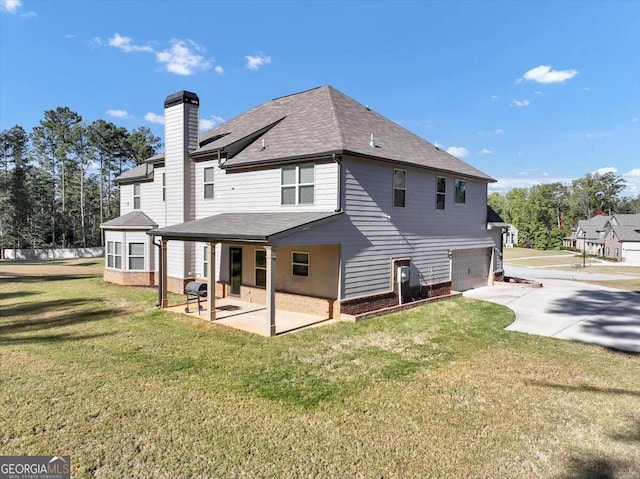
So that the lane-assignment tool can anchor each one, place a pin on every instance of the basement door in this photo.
(470, 268)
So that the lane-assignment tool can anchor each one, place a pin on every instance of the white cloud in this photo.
(538, 92)
(520, 103)
(96, 41)
(634, 172)
(632, 178)
(154, 118)
(486, 151)
(505, 184)
(208, 123)
(499, 130)
(117, 113)
(458, 151)
(599, 134)
(586, 88)
(28, 14)
(255, 62)
(10, 6)
(494, 97)
(544, 74)
(606, 169)
(182, 58)
(70, 36)
(635, 119)
(219, 70)
(126, 44)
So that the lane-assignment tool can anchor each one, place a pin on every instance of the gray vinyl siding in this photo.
(259, 190)
(372, 232)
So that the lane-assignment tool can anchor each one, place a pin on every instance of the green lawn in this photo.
(554, 261)
(441, 391)
(515, 253)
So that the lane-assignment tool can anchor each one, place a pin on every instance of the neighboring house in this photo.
(622, 238)
(311, 201)
(589, 234)
(510, 237)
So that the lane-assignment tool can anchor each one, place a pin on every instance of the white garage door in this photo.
(470, 268)
(632, 256)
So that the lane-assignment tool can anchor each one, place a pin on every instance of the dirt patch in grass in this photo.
(439, 391)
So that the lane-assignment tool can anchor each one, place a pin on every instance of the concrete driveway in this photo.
(571, 310)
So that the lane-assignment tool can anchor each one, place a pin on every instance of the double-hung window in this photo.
(300, 264)
(164, 186)
(460, 192)
(399, 188)
(136, 196)
(136, 256)
(208, 183)
(297, 185)
(261, 268)
(114, 254)
(441, 192)
(205, 262)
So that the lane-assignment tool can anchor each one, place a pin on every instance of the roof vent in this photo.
(262, 145)
(372, 142)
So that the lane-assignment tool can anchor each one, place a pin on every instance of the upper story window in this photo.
(297, 185)
(136, 196)
(136, 256)
(441, 192)
(164, 186)
(460, 192)
(208, 183)
(205, 262)
(399, 188)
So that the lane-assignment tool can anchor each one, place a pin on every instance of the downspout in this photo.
(338, 160)
(159, 246)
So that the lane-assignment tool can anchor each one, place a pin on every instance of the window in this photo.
(615, 254)
(208, 183)
(261, 268)
(297, 185)
(607, 253)
(399, 188)
(300, 264)
(136, 196)
(136, 256)
(205, 262)
(441, 192)
(164, 187)
(114, 254)
(460, 192)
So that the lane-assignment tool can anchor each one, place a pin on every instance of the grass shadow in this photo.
(17, 294)
(51, 338)
(68, 319)
(31, 278)
(584, 388)
(39, 307)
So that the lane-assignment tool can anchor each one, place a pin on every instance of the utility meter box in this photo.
(403, 274)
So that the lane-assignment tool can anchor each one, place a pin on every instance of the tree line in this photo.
(545, 213)
(56, 182)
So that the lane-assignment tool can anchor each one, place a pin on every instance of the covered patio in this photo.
(251, 317)
(257, 229)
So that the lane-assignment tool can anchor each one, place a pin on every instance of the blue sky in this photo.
(525, 91)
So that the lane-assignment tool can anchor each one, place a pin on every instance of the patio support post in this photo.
(491, 267)
(163, 267)
(271, 289)
(211, 281)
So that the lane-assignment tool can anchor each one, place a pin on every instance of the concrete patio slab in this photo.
(252, 317)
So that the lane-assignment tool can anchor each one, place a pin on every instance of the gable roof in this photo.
(593, 226)
(139, 173)
(626, 233)
(320, 122)
(254, 227)
(132, 220)
(627, 219)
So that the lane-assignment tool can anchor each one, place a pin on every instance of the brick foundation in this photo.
(129, 278)
(365, 304)
(299, 303)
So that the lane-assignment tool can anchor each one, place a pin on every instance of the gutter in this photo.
(159, 246)
(338, 160)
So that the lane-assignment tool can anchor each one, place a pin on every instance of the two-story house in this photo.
(311, 201)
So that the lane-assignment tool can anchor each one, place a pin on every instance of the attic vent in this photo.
(262, 145)
(372, 142)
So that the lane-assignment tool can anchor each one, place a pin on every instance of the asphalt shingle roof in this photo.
(241, 226)
(628, 220)
(318, 122)
(140, 172)
(627, 233)
(131, 220)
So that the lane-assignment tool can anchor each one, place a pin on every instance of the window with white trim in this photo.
(205, 262)
(114, 254)
(399, 188)
(300, 264)
(441, 192)
(460, 187)
(136, 256)
(208, 183)
(136, 196)
(261, 268)
(297, 185)
(164, 186)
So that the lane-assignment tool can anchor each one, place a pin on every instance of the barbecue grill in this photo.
(194, 291)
